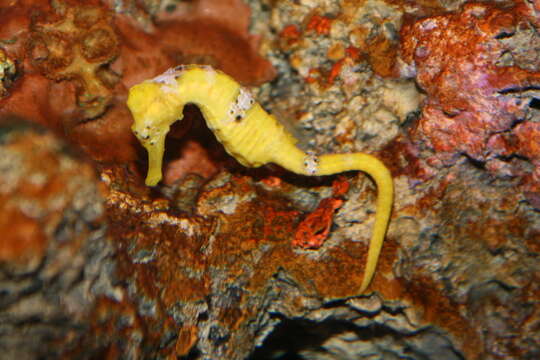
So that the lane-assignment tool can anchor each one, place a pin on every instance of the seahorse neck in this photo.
(211, 91)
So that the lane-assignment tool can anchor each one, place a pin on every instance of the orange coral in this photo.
(340, 186)
(335, 71)
(290, 33)
(353, 52)
(315, 228)
(320, 24)
(314, 76)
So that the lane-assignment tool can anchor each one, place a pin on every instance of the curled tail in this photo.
(336, 163)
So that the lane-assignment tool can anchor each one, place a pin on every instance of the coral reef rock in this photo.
(224, 262)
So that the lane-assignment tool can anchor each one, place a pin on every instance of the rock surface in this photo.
(223, 262)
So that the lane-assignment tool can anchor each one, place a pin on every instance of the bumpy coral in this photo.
(479, 93)
(76, 42)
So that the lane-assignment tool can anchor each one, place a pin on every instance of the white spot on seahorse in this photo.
(244, 99)
(311, 163)
(243, 102)
(210, 73)
(167, 80)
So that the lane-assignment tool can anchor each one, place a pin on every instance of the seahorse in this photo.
(248, 133)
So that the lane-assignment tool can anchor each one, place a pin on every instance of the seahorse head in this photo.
(153, 110)
(154, 107)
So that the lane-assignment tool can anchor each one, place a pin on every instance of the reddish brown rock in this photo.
(177, 265)
(24, 242)
(54, 256)
(474, 99)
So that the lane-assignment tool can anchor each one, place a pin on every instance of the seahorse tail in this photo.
(335, 163)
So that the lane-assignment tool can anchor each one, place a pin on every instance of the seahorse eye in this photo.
(238, 118)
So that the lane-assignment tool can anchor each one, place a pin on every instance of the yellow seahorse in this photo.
(248, 133)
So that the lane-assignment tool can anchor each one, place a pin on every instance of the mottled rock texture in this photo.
(223, 262)
(55, 262)
(480, 87)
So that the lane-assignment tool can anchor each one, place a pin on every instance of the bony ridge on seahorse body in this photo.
(248, 133)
